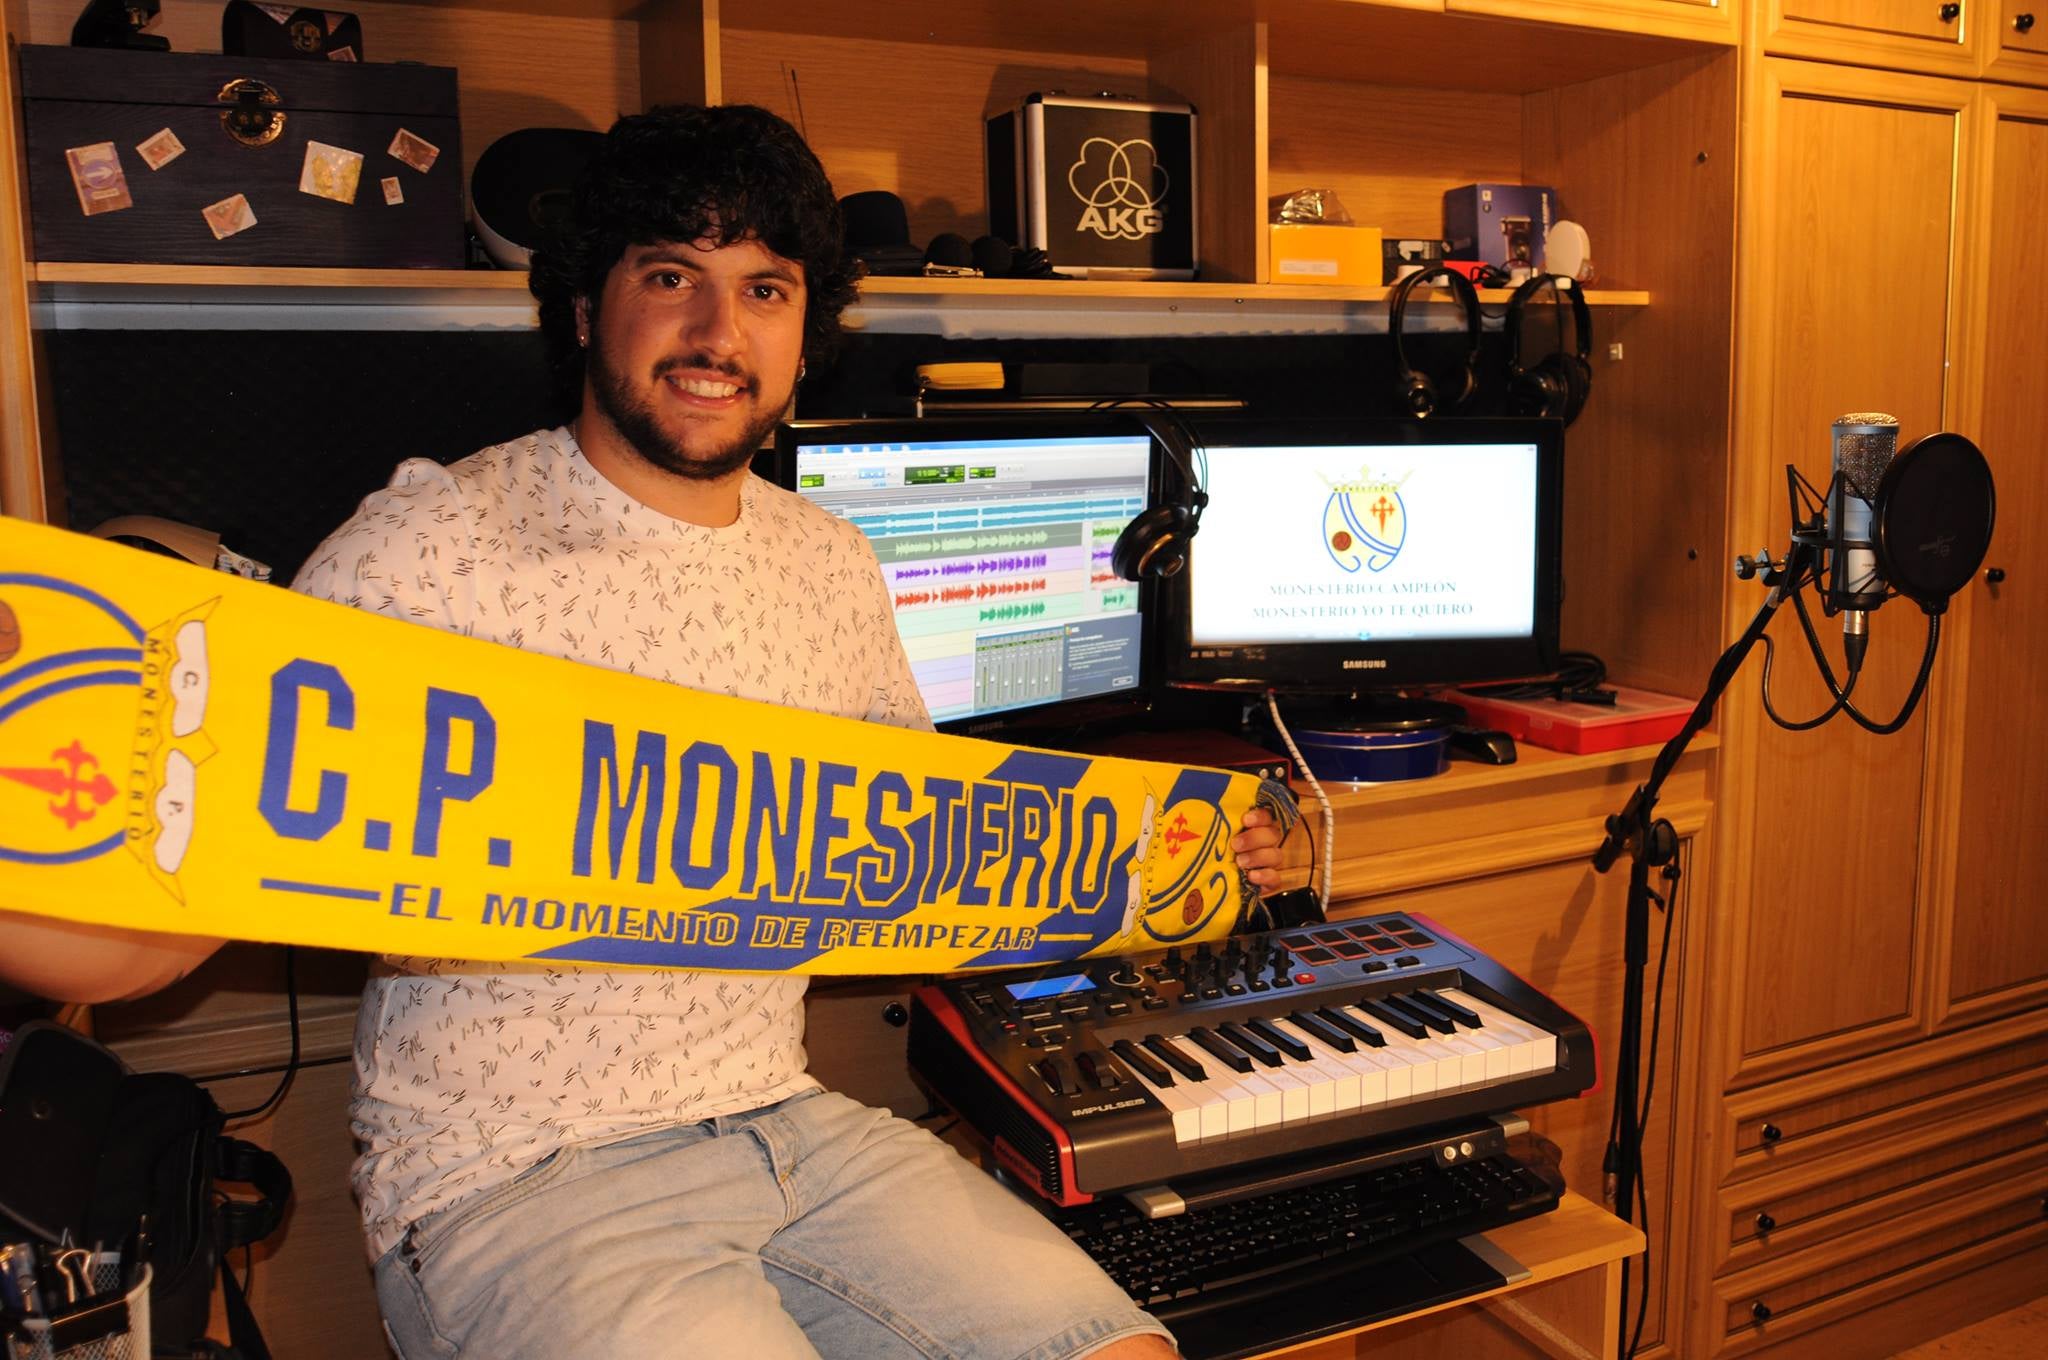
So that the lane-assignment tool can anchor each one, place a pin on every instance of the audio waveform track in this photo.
(964, 543)
(976, 567)
(954, 594)
(1003, 613)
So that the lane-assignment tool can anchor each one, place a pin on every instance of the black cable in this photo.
(291, 1064)
(1578, 678)
(1670, 876)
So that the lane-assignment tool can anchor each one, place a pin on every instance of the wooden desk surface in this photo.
(1578, 1242)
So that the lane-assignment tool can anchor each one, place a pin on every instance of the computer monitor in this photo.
(994, 536)
(1359, 555)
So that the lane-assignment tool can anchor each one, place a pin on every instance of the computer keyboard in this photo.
(1249, 1248)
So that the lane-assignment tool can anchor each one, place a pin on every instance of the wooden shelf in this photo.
(432, 297)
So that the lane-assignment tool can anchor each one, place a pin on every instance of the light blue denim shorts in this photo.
(813, 1227)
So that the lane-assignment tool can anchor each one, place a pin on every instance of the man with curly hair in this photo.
(560, 1160)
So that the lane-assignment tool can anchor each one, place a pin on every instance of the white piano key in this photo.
(1339, 1075)
(1185, 1108)
(1541, 1044)
(1294, 1089)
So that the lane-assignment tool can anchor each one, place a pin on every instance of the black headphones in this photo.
(1416, 393)
(1155, 544)
(1558, 384)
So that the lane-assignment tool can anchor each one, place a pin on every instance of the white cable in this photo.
(1329, 816)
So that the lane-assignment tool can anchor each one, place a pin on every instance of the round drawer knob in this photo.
(895, 1014)
(1951, 12)
(1760, 1310)
(1771, 1133)
(1764, 1223)
(2023, 23)
(1994, 576)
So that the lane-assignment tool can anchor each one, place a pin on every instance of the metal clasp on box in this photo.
(254, 120)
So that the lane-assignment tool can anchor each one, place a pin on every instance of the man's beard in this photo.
(634, 419)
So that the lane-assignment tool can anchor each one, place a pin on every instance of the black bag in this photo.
(91, 1150)
(248, 30)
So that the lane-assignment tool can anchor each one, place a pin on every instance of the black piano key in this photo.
(1141, 1063)
(1319, 1028)
(1252, 1044)
(1404, 1021)
(1223, 1050)
(1464, 1015)
(1353, 1026)
(1177, 1058)
(1436, 1020)
(1286, 1043)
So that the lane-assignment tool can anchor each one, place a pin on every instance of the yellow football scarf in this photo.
(185, 751)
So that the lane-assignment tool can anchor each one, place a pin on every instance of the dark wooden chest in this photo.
(139, 157)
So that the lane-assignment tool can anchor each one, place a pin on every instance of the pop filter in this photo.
(1932, 518)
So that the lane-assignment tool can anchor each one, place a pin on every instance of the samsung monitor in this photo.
(994, 536)
(1356, 555)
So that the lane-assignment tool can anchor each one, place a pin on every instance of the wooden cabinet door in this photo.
(1559, 927)
(1708, 20)
(1997, 937)
(1938, 36)
(1844, 287)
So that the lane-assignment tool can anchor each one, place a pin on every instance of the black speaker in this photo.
(523, 188)
(1557, 385)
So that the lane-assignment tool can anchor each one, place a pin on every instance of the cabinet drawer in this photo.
(1937, 36)
(1887, 1176)
(1953, 1227)
(1822, 1115)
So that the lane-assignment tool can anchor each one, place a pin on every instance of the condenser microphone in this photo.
(1863, 447)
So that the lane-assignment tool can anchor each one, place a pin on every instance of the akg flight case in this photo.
(1104, 186)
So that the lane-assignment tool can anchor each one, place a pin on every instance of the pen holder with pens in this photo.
(107, 1322)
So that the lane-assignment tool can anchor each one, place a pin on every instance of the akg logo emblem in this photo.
(1364, 525)
(1120, 185)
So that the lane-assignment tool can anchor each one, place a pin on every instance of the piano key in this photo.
(1536, 1048)
(1286, 1043)
(1398, 1003)
(1267, 1105)
(1443, 999)
(1321, 1066)
(1425, 1003)
(1176, 1057)
(1342, 1076)
(1251, 1043)
(1400, 1020)
(1432, 1069)
(1331, 1036)
(1352, 1025)
(1185, 1109)
(1294, 1093)
(1141, 1062)
(1221, 1049)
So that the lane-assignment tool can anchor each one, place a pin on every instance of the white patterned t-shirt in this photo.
(468, 1072)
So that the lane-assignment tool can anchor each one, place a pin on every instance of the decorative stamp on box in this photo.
(393, 194)
(229, 216)
(160, 150)
(330, 172)
(96, 174)
(414, 150)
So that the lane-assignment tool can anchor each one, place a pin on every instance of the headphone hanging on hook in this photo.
(1558, 384)
(1155, 544)
(1415, 390)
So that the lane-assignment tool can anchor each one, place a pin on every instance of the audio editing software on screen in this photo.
(997, 556)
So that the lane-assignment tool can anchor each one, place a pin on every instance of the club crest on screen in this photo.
(1365, 524)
